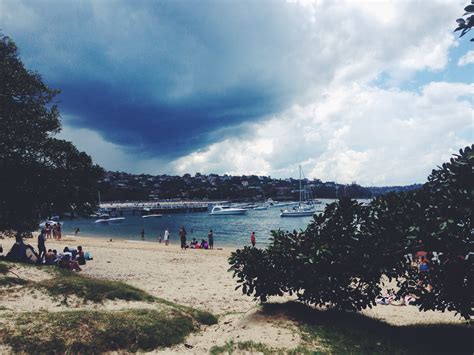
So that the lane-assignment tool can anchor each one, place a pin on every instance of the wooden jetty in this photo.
(161, 207)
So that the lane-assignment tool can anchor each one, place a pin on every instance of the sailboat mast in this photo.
(300, 186)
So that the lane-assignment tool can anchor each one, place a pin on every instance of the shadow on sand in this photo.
(344, 332)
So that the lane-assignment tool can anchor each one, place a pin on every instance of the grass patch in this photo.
(252, 347)
(227, 348)
(203, 317)
(68, 283)
(338, 332)
(8, 281)
(91, 289)
(4, 268)
(95, 331)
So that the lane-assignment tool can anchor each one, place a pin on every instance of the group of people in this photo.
(70, 258)
(52, 230)
(204, 244)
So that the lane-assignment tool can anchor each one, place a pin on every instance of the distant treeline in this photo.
(120, 186)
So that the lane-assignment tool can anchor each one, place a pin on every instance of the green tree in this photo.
(39, 174)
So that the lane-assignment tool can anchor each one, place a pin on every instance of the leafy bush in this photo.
(340, 258)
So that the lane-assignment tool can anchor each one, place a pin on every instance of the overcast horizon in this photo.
(377, 92)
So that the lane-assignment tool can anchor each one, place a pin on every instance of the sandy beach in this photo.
(198, 278)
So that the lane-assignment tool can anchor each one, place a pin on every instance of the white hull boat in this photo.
(157, 215)
(297, 212)
(225, 210)
(110, 220)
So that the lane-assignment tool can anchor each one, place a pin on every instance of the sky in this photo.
(378, 92)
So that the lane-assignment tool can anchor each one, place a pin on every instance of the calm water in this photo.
(228, 230)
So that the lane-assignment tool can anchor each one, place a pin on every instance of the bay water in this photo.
(232, 230)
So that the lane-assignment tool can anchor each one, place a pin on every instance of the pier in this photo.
(162, 207)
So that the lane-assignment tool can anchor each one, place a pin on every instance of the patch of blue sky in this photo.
(452, 73)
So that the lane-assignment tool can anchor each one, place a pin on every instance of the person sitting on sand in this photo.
(204, 244)
(67, 262)
(424, 265)
(193, 243)
(49, 258)
(80, 256)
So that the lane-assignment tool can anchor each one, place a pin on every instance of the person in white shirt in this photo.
(166, 236)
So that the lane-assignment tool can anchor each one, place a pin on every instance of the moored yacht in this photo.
(302, 209)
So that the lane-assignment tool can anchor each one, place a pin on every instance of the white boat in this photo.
(227, 210)
(261, 208)
(301, 210)
(156, 215)
(297, 212)
(110, 220)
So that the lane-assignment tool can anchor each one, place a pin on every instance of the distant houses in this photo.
(121, 186)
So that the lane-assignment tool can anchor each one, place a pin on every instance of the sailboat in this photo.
(302, 210)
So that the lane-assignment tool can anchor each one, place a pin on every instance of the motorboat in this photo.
(261, 208)
(227, 210)
(155, 215)
(110, 220)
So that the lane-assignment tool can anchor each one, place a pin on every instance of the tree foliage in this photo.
(40, 175)
(341, 257)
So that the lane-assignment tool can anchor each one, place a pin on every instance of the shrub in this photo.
(340, 258)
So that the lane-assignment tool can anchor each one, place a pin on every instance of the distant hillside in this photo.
(120, 186)
(377, 191)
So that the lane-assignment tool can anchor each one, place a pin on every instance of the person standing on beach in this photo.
(143, 233)
(166, 236)
(252, 239)
(182, 236)
(47, 230)
(41, 245)
(210, 237)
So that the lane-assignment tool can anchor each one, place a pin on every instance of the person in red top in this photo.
(252, 239)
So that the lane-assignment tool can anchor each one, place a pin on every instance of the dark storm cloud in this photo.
(164, 77)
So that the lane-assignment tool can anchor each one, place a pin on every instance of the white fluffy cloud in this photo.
(361, 133)
(466, 59)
